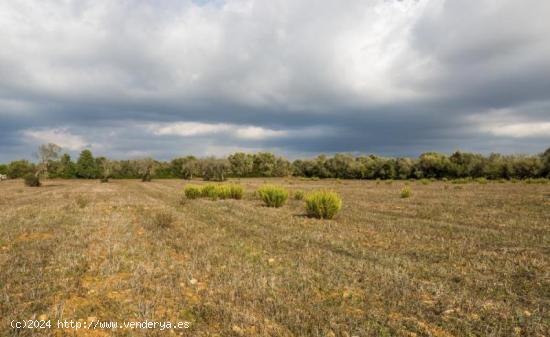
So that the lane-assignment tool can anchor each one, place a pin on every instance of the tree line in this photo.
(53, 164)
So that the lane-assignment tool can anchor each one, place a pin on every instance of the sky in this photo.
(167, 78)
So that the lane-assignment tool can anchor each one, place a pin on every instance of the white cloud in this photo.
(520, 130)
(61, 137)
(255, 132)
(190, 129)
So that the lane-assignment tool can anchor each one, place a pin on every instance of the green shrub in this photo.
(192, 191)
(223, 191)
(273, 196)
(216, 191)
(536, 181)
(461, 181)
(406, 192)
(323, 204)
(482, 181)
(424, 181)
(210, 191)
(298, 195)
(32, 180)
(236, 191)
(389, 181)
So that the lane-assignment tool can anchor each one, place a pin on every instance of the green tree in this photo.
(86, 166)
(545, 158)
(434, 165)
(185, 167)
(66, 168)
(19, 169)
(146, 168)
(404, 168)
(242, 164)
(215, 169)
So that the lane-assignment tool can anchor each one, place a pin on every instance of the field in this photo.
(451, 260)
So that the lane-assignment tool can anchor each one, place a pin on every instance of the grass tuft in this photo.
(192, 191)
(273, 196)
(299, 195)
(406, 192)
(323, 204)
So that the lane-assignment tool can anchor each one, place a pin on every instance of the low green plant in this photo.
(229, 191)
(424, 181)
(299, 195)
(389, 181)
(482, 180)
(32, 180)
(461, 181)
(192, 191)
(536, 181)
(273, 196)
(406, 192)
(215, 191)
(236, 191)
(323, 204)
(210, 191)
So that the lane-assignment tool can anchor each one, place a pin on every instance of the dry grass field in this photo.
(451, 260)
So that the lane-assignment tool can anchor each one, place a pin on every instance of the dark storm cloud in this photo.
(170, 78)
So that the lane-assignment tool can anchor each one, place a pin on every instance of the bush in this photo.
(210, 191)
(236, 191)
(461, 181)
(481, 181)
(323, 204)
(32, 180)
(273, 196)
(223, 191)
(536, 181)
(406, 192)
(298, 195)
(424, 181)
(215, 191)
(229, 191)
(192, 191)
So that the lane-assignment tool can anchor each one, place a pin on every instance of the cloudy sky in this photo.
(166, 78)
